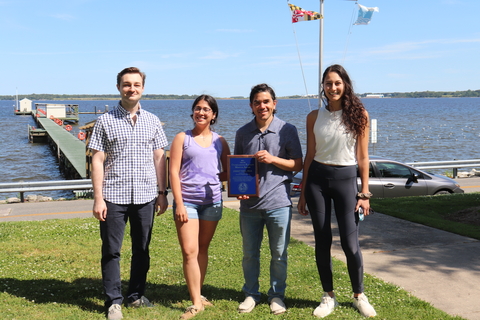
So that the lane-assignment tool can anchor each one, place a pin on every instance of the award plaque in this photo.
(242, 175)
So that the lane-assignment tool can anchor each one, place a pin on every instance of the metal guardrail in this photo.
(454, 164)
(22, 187)
(86, 184)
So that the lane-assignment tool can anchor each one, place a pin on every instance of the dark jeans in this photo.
(112, 232)
(338, 183)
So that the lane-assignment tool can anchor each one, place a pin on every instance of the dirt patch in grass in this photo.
(467, 216)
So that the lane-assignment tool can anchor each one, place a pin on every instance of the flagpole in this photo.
(320, 55)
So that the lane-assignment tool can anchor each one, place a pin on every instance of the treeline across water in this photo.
(432, 94)
(417, 94)
(46, 96)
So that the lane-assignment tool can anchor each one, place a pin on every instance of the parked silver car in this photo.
(390, 179)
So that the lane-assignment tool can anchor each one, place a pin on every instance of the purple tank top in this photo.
(199, 171)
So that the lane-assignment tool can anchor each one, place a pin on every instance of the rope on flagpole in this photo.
(349, 34)
(301, 65)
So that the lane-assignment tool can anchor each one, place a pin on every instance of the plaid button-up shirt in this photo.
(129, 176)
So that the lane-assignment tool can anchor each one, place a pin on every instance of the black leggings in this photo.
(339, 183)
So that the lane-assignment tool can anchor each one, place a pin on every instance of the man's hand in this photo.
(161, 204)
(100, 209)
(264, 157)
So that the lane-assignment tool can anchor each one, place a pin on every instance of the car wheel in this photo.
(441, 192)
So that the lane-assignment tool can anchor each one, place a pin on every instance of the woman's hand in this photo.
(181, 214)
(302, 206)
(365, 204)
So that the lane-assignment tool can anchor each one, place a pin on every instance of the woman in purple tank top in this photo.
(198, 160)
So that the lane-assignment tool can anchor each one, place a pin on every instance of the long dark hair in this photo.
(353, 115)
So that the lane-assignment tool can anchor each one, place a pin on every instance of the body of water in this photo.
(408, 130)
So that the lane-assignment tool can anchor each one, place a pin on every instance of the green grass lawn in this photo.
(51, 270)
(456, 213)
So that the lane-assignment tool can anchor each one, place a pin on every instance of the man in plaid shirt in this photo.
(129, 177)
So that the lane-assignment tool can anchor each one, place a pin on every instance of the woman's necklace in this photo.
(335, 114)
(203, 137)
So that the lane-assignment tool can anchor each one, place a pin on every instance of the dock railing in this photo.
(454, 164)
(22, 187)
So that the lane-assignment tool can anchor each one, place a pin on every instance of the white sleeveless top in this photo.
(334, 145)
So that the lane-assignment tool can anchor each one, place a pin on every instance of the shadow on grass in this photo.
(179, 293)
(173, 296)
(81, 292)
(86, 292)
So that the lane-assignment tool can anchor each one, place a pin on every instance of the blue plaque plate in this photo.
(242, 175)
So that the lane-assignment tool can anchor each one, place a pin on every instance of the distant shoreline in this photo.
(108, 97)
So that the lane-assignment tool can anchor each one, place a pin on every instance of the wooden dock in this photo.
(69, 150)
(52, 127)
(64, 112)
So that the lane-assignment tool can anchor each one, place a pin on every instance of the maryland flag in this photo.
(298, 14)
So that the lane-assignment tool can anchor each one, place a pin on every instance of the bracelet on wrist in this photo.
(366, 195)
(163, 192)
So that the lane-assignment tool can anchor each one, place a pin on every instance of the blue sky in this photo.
(223, 48)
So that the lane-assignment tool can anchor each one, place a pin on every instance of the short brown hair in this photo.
(131, 70)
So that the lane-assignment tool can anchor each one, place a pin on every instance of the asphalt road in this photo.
(469, 184)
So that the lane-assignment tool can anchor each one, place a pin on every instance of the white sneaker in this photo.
(115, 312)
(326, 306)
(363, 306)
(247, 305)
(277, 306)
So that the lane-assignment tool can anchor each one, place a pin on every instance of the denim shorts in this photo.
(208, 212)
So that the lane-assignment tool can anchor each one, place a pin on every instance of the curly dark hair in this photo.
(353, 116)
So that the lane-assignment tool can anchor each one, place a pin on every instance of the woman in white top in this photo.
(337, 141)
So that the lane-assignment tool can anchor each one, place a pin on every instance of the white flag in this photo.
(365, 14)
